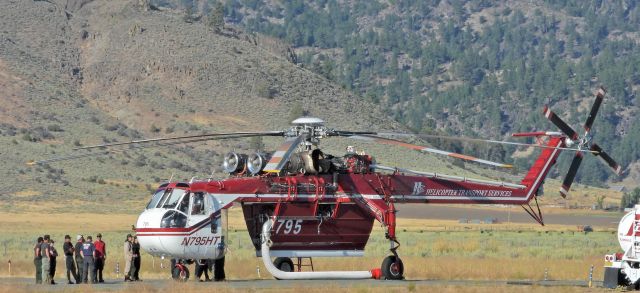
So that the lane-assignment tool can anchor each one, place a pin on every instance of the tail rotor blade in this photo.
(568, 180)
(594, 109)
(608, 159)
(389, 141)
(282, 154)
(572, 134)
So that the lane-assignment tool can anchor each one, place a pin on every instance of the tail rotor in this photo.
(581, 142)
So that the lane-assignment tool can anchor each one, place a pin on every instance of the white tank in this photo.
(625, 229)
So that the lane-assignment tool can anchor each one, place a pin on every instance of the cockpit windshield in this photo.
(156, 198)
(174, 198)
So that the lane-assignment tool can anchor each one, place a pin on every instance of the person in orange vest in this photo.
(101, 256)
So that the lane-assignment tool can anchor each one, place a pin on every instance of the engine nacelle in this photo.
(234, 163)
(312, 162)
(256, 162)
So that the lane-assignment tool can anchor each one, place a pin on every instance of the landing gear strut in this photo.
(392, 267)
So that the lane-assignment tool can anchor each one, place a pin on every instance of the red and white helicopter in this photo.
(300, 202)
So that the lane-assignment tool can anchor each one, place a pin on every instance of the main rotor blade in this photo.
(568, 180)
(572, 134)
(122, 150)
(389, 141)
(478, 140)
(608, 159)
(282, 154)
(349, 133)
(595, 108)
(233, 134)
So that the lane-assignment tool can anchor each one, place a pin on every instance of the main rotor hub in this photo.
(312, 127)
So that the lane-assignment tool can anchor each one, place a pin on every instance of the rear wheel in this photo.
(284, 264)
(392, 268)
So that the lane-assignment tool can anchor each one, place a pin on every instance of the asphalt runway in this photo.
(517, 215)
(113, 285)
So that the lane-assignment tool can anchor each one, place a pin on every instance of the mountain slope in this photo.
(476, 68)
(80, 72)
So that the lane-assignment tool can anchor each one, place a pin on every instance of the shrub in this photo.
(55, 128)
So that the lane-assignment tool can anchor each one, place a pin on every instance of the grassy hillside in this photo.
(98, 72)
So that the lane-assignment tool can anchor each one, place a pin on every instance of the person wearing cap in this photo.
(128, 257)
(101, 256)
(46, 260)
(78, 257)
(37, 260)
(53, 261)
(88, 256)
(68, 249)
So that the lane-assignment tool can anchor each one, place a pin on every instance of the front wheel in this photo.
(180, 273)
(392, 268)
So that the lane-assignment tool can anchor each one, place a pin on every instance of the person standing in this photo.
(68, 249)
(37, 260)
(88, 256)
(218, 270)
(46, 260)
(101, 255)
(53, 253)
(135, 265)
(128, 257)
(78, 257)
(202, 266)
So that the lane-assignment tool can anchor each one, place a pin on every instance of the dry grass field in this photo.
(431, 249)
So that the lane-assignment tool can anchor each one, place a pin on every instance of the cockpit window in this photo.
(174, 219)
(184, 204)
(197, 206)
(164, 197)
(155, 198)
(172, 200)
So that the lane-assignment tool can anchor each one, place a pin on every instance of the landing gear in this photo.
(179, 271)
(284, 264)
(392, 268)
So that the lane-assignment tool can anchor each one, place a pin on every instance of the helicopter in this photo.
(300, 202)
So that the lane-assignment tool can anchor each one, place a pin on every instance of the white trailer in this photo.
(623, 268)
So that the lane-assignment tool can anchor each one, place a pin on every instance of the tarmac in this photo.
(116, 285)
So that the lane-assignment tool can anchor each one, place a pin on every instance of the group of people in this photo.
(84, 260)
(132, 259)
